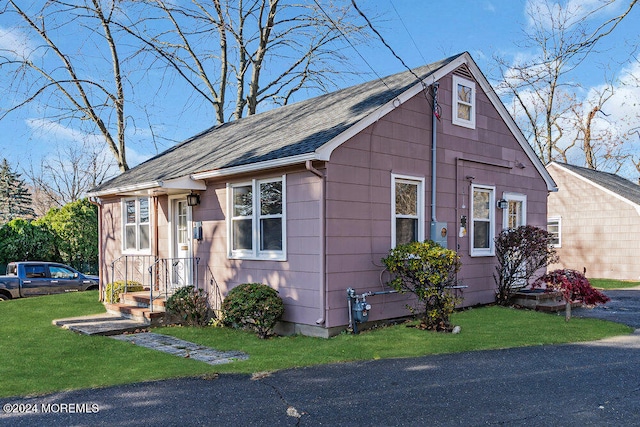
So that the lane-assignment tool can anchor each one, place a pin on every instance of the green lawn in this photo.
(41, 358)
(612, 284)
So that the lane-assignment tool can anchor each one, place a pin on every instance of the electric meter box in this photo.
(439, 233)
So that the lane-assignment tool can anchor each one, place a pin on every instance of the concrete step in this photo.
(100, 324)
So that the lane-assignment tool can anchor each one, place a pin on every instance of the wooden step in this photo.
(533, 298)
(552, 306)
(141, 314)
(141, 299)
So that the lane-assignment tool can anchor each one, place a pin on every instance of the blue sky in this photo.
(419, 31)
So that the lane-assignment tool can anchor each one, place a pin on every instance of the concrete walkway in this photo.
(182, 348)
(136, 332)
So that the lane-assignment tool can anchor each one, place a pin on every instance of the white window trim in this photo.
(420, 201)
(136, 251)
(255, 253)
(559, 221)
(480, 252)
(518, 197)
(454, 102)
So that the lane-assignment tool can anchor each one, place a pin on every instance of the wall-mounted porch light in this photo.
(193, 199)
(502, 204)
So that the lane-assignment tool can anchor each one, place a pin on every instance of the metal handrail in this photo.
(173, 262)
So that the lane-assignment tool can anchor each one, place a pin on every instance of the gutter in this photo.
(324, 306)
(100, 254)
(434, 124)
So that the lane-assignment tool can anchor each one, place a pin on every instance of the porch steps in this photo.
(136, 306)
(541, 301)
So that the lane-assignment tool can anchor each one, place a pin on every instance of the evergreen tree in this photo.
(15, 199)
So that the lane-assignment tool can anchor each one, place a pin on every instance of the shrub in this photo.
(190, 305)
(520, 252)
(427, 270)
(253, 306)
(574, 287)
(114, 290)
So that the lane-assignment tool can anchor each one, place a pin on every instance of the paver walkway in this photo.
(181, 348)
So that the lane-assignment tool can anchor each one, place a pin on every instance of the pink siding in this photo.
(297, 279)
(356, 213)
(359, 195)
(599, 231)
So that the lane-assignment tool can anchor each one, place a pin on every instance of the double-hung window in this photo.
(136, 225)
(554, 228)
(464, 102)
(407, 209)
(257, 219)
(482, 220)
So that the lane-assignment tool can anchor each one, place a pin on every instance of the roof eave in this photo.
(184, 183)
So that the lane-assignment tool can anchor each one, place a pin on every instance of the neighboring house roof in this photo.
(621, 187)
(295, 133)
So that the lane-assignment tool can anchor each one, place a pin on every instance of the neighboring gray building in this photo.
(309, 197)
(596, 219)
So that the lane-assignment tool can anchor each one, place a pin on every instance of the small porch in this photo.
(139, 286)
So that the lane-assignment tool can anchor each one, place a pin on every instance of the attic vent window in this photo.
(464, 102)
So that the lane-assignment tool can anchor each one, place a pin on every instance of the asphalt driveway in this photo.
(624, 307)
(588, 384)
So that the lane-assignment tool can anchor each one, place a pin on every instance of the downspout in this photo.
(434, 123)
(324, 306)
(102, 276)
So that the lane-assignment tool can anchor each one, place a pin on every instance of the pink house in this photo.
(309, 197)
(595, 217)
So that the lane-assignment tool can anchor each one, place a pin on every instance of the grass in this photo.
(41, 358)
(612, 284)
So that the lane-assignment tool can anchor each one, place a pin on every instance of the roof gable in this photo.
(611, 183)
(306, 130)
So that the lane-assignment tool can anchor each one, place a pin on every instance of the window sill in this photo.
(280, 258)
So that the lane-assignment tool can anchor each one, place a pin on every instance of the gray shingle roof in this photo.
(614, 183)
(292, 130)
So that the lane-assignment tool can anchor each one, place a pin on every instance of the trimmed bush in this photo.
(521, 252)
(119, 287)
(428, 271)
(190, 305)
(253, 306)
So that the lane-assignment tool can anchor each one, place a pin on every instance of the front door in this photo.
(514, 216)
(181, 265)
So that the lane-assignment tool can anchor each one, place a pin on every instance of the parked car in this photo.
(33, 278)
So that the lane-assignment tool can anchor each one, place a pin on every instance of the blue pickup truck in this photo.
(33, 278)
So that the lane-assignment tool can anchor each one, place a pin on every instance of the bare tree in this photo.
(542, 93)
(82, 63)
(255, 52)
(67, 176)
(55, 76)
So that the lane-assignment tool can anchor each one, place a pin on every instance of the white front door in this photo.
(181, 264)
(514, 216)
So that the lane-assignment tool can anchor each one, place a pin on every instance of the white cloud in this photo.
(56, 132)
(489, 6)
(16, 44)
(542, 11)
